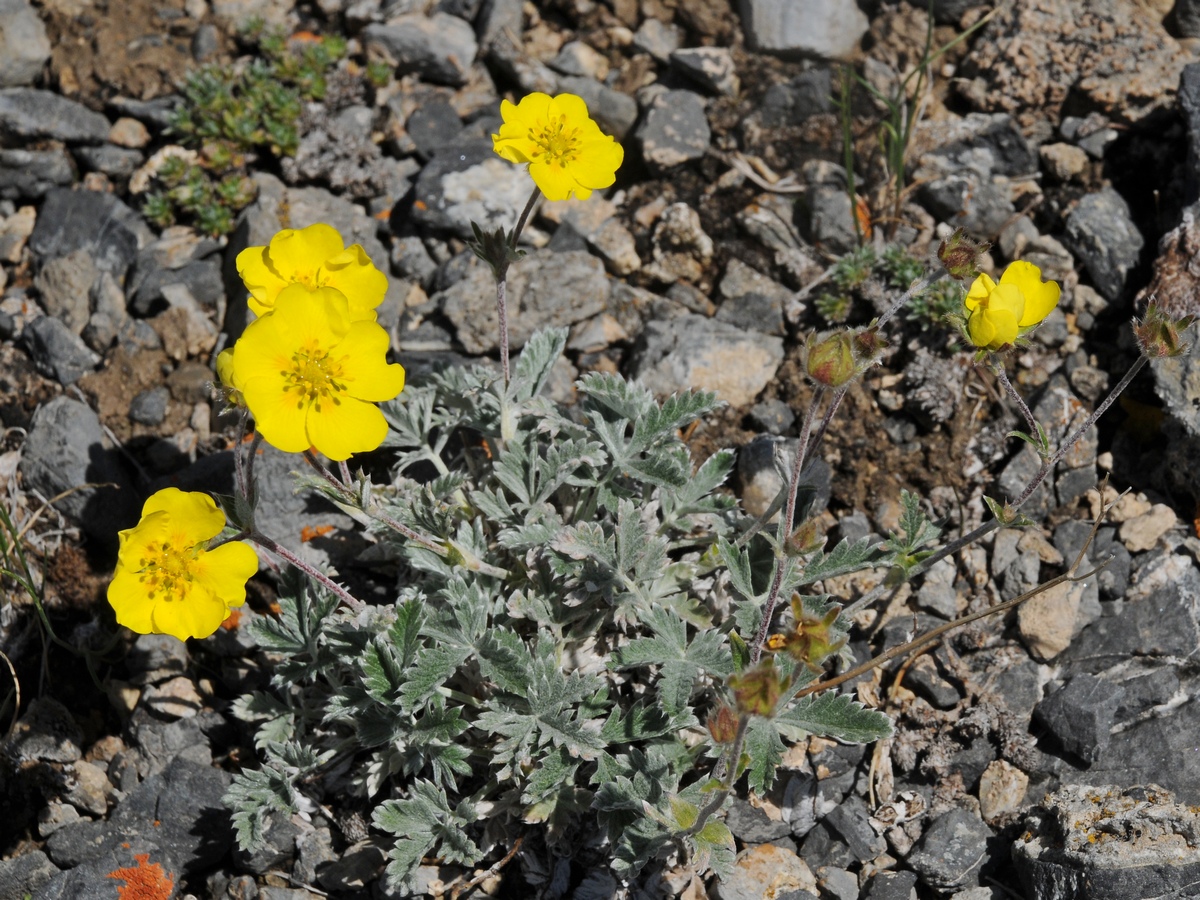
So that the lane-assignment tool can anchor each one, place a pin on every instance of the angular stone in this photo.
(440, 48)
(751, 300)
(24, 46)
(951, 851)
(65, 283)
(613, 111)
(1106, 841)
(693, 352)
(57, 351)
(30, 174)
(535, 298)
(1100, 231)
(1080, 715)
(766, 870)
(31, 114)
(674, 130)
(710, 67)
(71, 220)
(791, 28)
(1001, 789)
(468, 183)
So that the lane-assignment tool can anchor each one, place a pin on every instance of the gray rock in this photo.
(55, 816)
(116, 162)
(150, 407)
(29, 114)
(148, 289)
(337, 150)
(950, 12)
(836, 884)
(1101, 233)
(850, 820)
(1081, 715)
(65, 284)
(1189, 104)
(950, 852)
(160, 743)
(155, 113)
(751, 300)
(937, 594)
(468, 183)
(29, 174)
(692, 352)
(710, 67)
(25, 875)
(753, 826)
(891, 886)
(358, 867)
(57, 351)
(1144, 691)
(793, 28)
(314, 848)
(659, 39)
(824, 847)
(89, 220)
(66, 448)
(440, 48)
(535, 298)
(1161, 626)
(1094, 842)
(674, 130)
(497, 20)
(88, 788)
(986, 144)
(156, 657)
(1113, 579)
(828, 218)
(47, 732)
(181, 808)
(433, 125)
(792, 102)
(24, 47)
(82, 882)
(772, 416)
(613, 111)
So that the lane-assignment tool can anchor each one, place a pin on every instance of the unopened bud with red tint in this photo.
(831, 361)
(723, 724)
(960, 255)
(757, 691)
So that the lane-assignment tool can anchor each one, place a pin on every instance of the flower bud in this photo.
(960, 255)
(757, 691)
(869, 344)
(1158, 335)
(804, 540)
(831, 361)
(723, 724)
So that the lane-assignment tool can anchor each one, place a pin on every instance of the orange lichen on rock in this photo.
(309, 532)
(146, 881)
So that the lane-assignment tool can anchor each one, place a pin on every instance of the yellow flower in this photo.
(167, 581)
(310, 374)
(566, 151)
(999, 313)
(225, 377)
(314, 257)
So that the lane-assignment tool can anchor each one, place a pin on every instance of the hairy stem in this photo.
(785, 525)
(308, 569)
(998, 367)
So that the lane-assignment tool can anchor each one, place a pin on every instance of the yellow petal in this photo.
(225, 571)
(992, 329)
(197, 614)
(598, 163)
(296, 255)
(1040, 296)
(571, 106)
(352, 273)
(190, 513)
(262, 281)
(279, 415)
(1009, 299)
(556, 182)
(127, 597)
(367, 373)
(225, 367)
(339, 430)
(981, 289)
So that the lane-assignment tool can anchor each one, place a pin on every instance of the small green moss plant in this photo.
(590, 648)
(231, 114)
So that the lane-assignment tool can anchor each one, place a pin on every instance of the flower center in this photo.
(558, 143)
(315, 376)
(168, 570)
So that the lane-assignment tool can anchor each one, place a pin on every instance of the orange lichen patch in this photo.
(145, 882)
(419, 204)
(307, 37)
(232, 620)
(384, 214)
(1196, 520)
(309, 532)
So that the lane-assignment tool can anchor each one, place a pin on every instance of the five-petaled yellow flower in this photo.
(999, 313)
(310, 373)
(167, 581)
(566, 151)
(314, 257)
